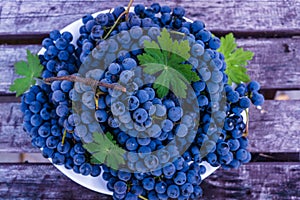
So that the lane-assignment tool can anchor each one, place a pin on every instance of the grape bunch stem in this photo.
(87, 81)
(126, 12)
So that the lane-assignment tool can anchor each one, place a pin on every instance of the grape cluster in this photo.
(47, 114)
(166, 139)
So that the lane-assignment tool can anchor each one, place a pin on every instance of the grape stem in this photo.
(126, 12)
(87, 81)
(247, 124)
(64, 137)
(143, 198)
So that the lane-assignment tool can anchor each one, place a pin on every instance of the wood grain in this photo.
(274, 130)
(28, 16)
(252, 181)
(276, 64)
(8, 56)
(263, 181)
(40, 181)
(275, 127)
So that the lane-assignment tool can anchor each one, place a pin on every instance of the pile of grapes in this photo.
(165, 139)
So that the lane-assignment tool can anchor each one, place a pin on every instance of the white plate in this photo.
(97, 183)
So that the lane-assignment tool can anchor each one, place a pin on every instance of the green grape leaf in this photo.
(104, 149)
(236, 59)
(30, 70)
(164, 58)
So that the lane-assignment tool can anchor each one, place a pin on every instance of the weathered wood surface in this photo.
(8, 56)
(275, 130)
(40, 181)
(276, 64)
(29, 16)
(261, 181)
(276, 127)
(252, 181)
(236, 15)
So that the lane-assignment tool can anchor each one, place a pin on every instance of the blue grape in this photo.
(80, 130)
(244, 102)
(102, 19)
(169, 169)
(187, 189)
(197, 26)
(47, 153)
(140, 115)
(129, 63)
(253, 86)
(203, 35)
(78, 159)
(35, 107)
(123, 175)
(217, 77)
(136, 32)
(156, 7)
(233, 97)
(130, 196)
(58, 96)
(135, 21)
(139, 9)
(197, 50)
(148, 183)
(63, 148)
(202, 101)
(226, 159)
(166, 18)
(243, 142)
(154, 131)
(173, 191)
(131, 144)
(63, 55)
(52, 142)
(54, 35)
(214, 43)
(167, 125)
(161, 187)
(160, 110)
(179, 12)
(36, 120)
(257, 99)
(143, 96)
(241, 154)
(44, 130)
(118, 108)
(205, 74)
(58, 158)
(223, 148)
(181, 130)
(47, 42)
(175, 113)
(114, 68)
(180, 178)
(151, 161)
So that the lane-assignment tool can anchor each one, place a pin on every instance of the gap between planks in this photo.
(38, 158)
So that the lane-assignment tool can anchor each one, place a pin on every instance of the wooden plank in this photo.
(12, 137)
(40, 181)
(252, 181)
(275, 130)
(255, 181)
(8, 56)
(275, 65)
(276, 127)
(276, 62)
(27, 17)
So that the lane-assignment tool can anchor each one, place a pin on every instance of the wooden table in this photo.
(270, 28)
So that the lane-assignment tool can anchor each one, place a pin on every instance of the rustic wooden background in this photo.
(270, 28)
